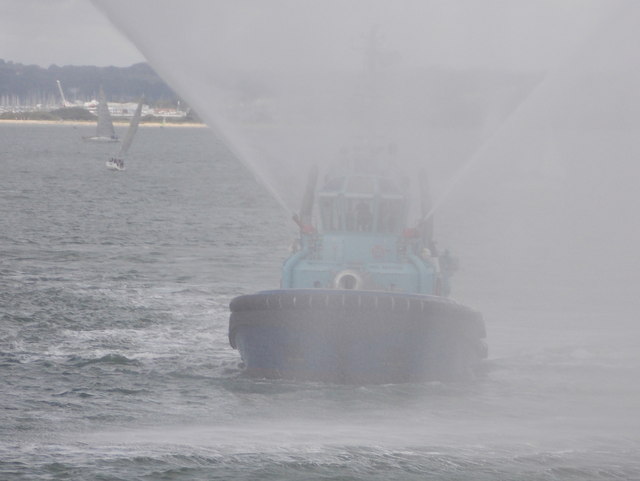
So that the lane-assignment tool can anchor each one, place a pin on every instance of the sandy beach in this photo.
(79, 123)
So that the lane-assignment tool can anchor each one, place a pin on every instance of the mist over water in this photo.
(115, 362)
(532, 108)
(487, 93)
(525, 114)
(294, 83)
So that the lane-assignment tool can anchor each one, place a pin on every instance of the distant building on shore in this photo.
(15, 104)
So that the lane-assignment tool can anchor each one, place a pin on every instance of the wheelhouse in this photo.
(362, 204)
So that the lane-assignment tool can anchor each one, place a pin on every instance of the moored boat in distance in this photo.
(104, 129)
(363, 297)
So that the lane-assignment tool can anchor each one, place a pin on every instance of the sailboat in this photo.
(104, 131)
(117, 162)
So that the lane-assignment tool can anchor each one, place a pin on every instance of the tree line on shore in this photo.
(30, 83)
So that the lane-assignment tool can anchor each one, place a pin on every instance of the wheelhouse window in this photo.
(361, 185)
(362, 204)
(330, 220)
(390, 213)
(359, 215)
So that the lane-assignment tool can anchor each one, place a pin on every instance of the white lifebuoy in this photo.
(348, 279)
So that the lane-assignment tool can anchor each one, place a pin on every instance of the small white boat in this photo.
(104, 131)
(117, 162)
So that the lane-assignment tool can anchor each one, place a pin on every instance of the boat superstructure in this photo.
(363, 297)
(363, 242)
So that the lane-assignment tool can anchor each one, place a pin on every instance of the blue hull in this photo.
(348, 336)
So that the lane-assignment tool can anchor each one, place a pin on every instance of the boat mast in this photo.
(64, 101)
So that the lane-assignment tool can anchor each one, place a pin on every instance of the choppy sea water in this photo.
(115, 365)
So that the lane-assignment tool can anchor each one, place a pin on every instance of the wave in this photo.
(116, 359)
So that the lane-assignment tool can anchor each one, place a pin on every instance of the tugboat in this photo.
(363, 297)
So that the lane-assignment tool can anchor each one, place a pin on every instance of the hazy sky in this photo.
(74, 32)
(61, 32)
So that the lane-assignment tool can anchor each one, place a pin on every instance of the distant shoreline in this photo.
(80, 123)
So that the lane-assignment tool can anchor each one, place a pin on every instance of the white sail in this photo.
(131, 132)
(105, 125)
